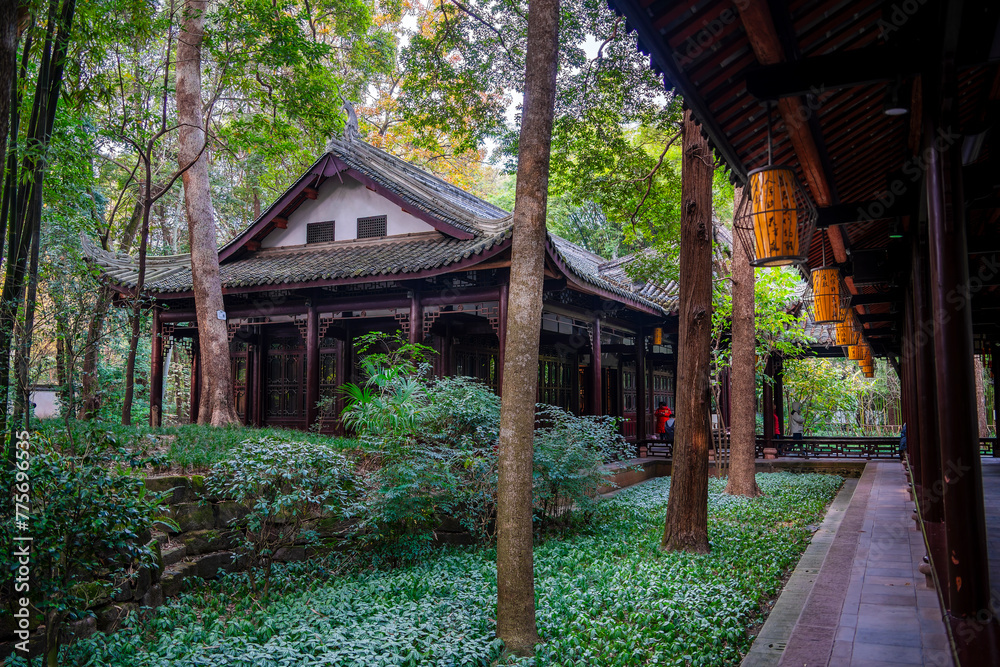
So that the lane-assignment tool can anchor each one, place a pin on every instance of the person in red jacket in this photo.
(662, 414)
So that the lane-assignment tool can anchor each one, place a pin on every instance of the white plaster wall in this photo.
(46, 403)
(344, 202)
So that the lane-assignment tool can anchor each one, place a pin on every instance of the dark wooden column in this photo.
(312, 365)
(195, 380)
(779, 394)
(501, 333)
(958, 429)
(343, 348)
(931, 507)
(255, 381)
(640, 388)
(156, 372)
(416, 318)
(768, 409)
(908, 393)
(596, 405)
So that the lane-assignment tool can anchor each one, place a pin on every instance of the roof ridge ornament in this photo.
(351, 129)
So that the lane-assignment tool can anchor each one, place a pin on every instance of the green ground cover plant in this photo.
(187, 448)
(606, 596)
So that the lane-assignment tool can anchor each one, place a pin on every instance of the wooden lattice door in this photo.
(284, 402)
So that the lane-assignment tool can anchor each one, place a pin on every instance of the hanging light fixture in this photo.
(774, 218)
(846, 333)
(854, 353)
(830, 297)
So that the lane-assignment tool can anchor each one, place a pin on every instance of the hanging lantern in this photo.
(774, 218)
(854, 353)
(845, 332)
(830, 298)
(658, 336)
(868, 372)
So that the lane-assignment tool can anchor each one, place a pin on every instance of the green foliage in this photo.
(283, 484)
(188, 448)
(437, 443)
(570, 452)
(606, 596)
(837, 399)
(83, 519)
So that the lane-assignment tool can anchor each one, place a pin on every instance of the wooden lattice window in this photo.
(320, 232)
(372, 227)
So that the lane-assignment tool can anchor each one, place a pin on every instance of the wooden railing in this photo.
(829, 448)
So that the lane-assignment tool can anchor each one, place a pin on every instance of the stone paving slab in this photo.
(773, 637)
(868, 605)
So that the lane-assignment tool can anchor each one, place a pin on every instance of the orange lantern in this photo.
(846, 334)
(828, 299)
(854, 353)
(774, 219)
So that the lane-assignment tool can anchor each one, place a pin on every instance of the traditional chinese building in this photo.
(362, 242)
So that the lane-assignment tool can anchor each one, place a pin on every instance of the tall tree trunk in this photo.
(984, 428)
(21, 208)
(8, 67)
(515, 565)
(217, 405)
(742, 387)
(686, 526)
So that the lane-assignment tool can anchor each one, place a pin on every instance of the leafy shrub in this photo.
(570, 453)
(84, 520)
(284, 485)
(438, 441)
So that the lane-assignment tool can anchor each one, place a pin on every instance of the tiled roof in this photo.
(421, 189)
(489, 225)
(298, 264)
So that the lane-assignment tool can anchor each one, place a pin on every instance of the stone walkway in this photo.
(868, 604)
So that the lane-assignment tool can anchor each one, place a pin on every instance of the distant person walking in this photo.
(662, 414)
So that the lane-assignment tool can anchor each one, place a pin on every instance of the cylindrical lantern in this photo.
(774, 219)
(774, 215)
(658, 336)
(845, 332)
(854, 353)
(827, 303)
(868, 373)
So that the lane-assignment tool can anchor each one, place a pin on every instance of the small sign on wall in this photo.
(221, 314)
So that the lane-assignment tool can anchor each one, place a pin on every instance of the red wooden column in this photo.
(768, 410)
(501, 335)
(156, 372)
(416, 318)
(343, 348)
(958, 433)
(312, 364)
(909, 395)
(931, 508)
(596, 404)
(640, 387)
(779, 394)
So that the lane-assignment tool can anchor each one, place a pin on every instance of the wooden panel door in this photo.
(284, 381)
